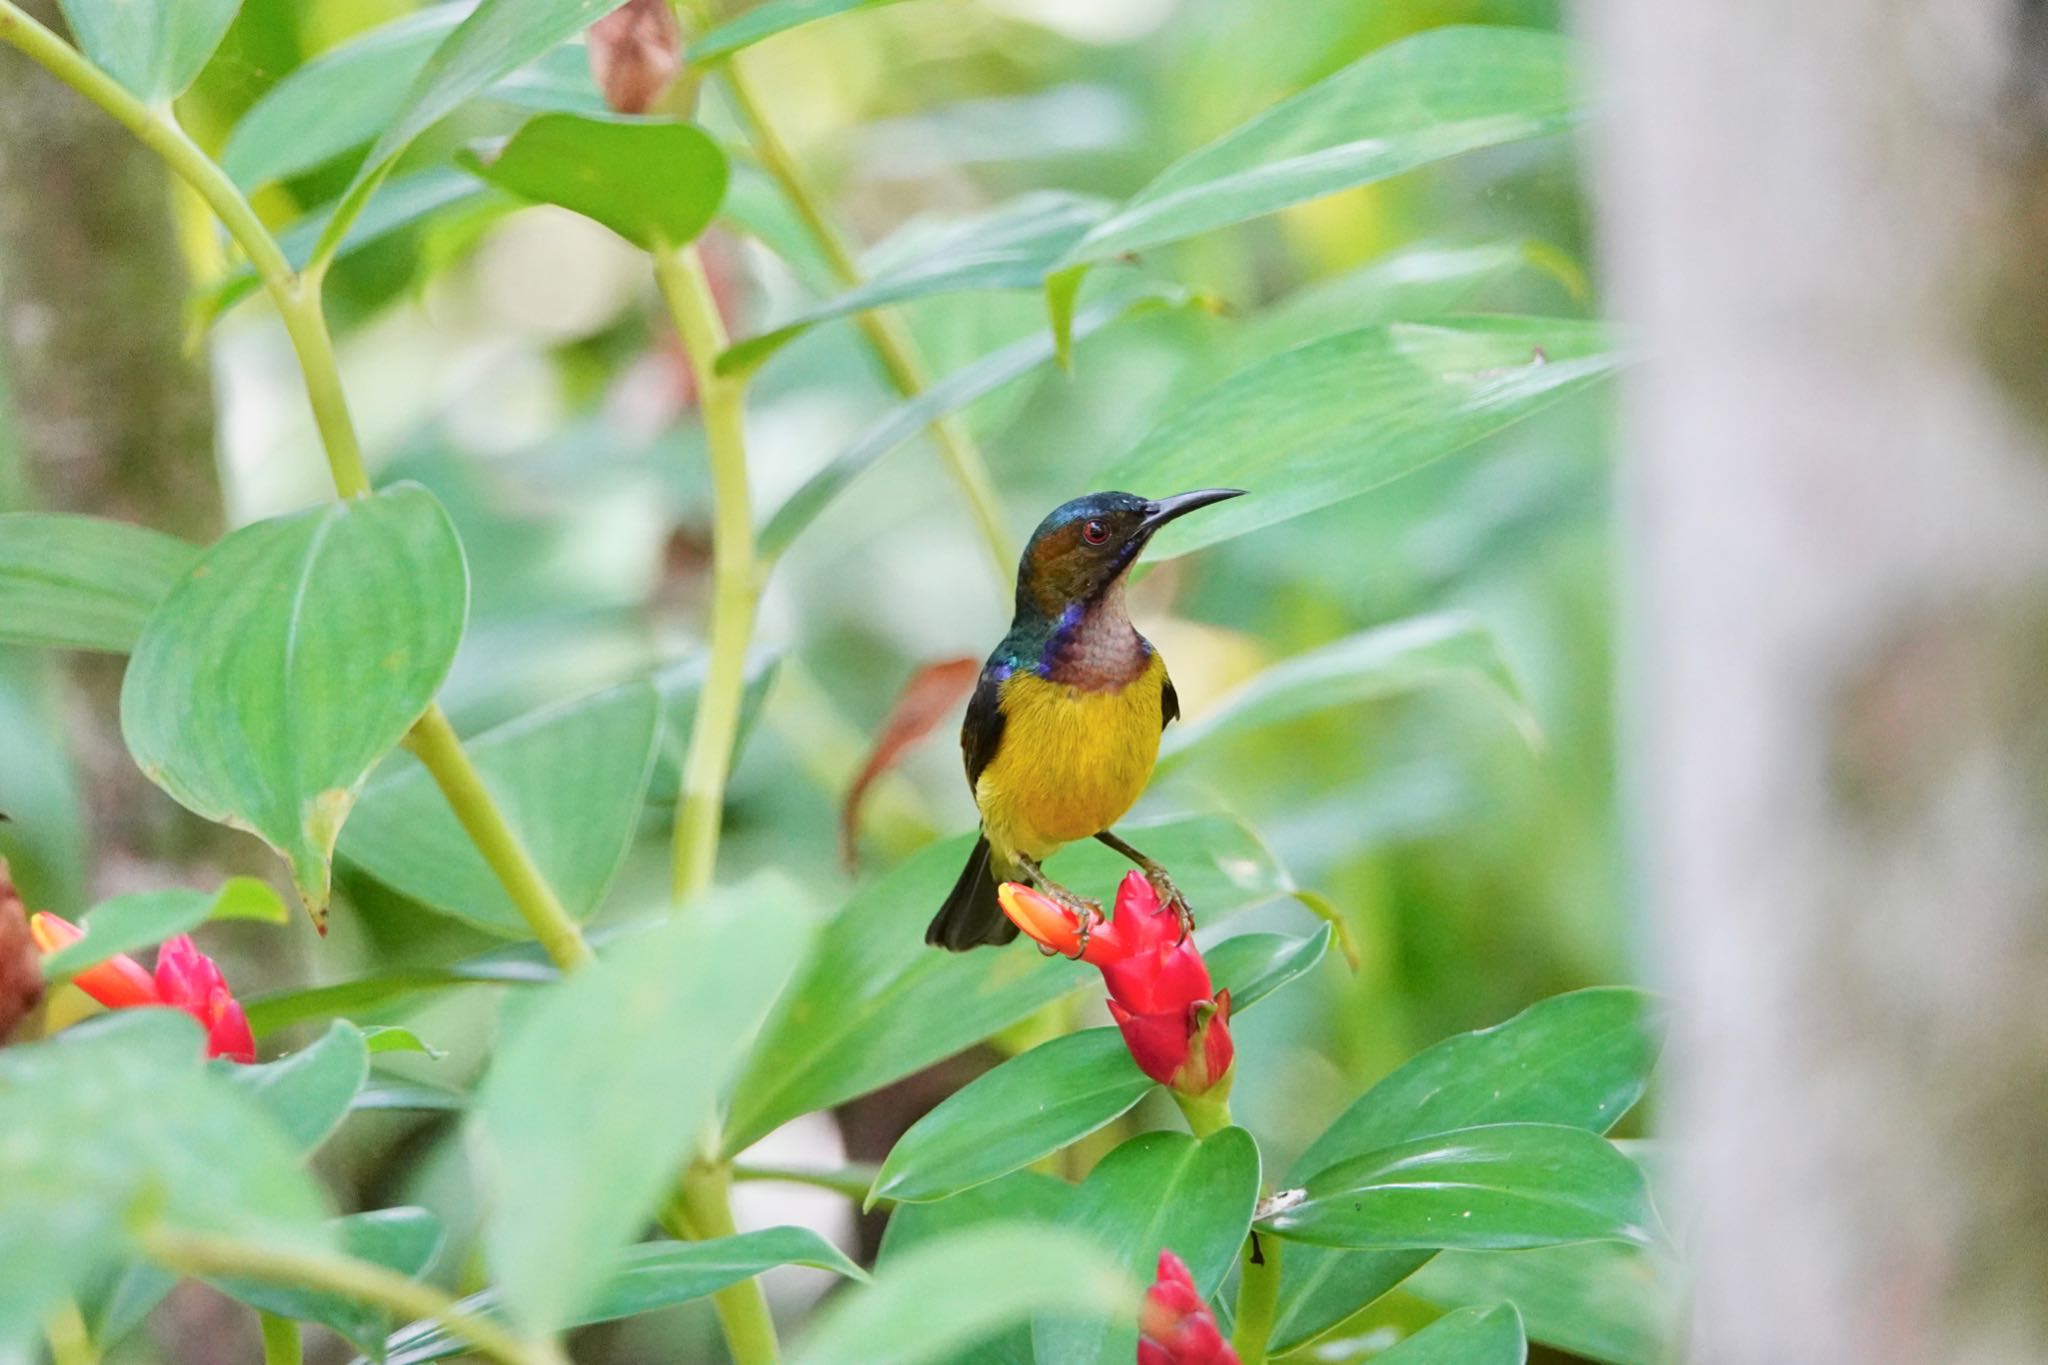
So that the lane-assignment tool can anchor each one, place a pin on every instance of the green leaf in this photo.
(153, 47)
(1009, 247)
(292, 657)
(1061, 1091)
(1026, 1196)
(116, 1122)
(1253, 966)
(1340, 416)
(345, 96)
(83, 582)
(521, 964)
(1606, 1301)
(872, 1006)
(765, 21)
(956, 391)
(310, 1091)
(655, 182)
(410, 1096)
(145, 918)
(1435, 95)
(1497, 1187)
(962, 1287)
(405, 1240)
(587, 1112)
(1581, 1059)
(570, 779)
(1013, 1114)
(651, 1276)
(494, 40)
(1402, 656)
(390, 1038)
(1158, 1190)
(1470, 1336)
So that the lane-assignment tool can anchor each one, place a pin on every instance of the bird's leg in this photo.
(1162, 881)
(1087, 914)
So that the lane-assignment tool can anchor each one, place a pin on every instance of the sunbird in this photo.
(1063, 728)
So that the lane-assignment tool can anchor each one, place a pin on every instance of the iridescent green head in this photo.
(1084, 546)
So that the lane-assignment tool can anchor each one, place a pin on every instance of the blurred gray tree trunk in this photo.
(1830, 220)
(114, 414)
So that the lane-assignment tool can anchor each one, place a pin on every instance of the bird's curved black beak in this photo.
(1180, 504)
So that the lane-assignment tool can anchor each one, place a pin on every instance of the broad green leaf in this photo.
(153, 47)
(650, 1276)
(310, 1091)
(1581, 1059)
(404, 202)
(145, 918)
(1340, 416)
(1009, 247)
(345, 96)
(492, 41)
(293, 656)
(1429, 97)
(83, 582)
(1158, 1190)
(1381, 661)
(1013, 1114)
(1062, 1090)
(1025, 1196)
(1253, 966)
(1498, 1187)
(655, 182)
(118, 1121)
(570, 779)
(874, 1005)
(516, 964)
(123, 1301)
(390, 1038)
(402, 1239)
(1606, 1301)
(765, 21)
(956, 391)
(598, 1097)
(1470, 1336)
(962, 1287)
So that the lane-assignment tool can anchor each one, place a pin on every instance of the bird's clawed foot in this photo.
(1169, 895)
(1087, 913)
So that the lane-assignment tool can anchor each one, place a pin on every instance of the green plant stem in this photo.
(201, 1254)
(735, 572)
(305, 322)
(1205, 1114)
(70, 1341)
(702, 1210)
(886, 335)
(1258, 1298)
(281, 1345)
(433, 741)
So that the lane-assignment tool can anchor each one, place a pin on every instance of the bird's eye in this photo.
(1095, 532)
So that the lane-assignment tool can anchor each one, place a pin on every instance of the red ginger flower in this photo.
(1176, 1327)
(1176, 1026)
(186, 979)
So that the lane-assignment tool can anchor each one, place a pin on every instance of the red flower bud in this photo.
(1176, 1327)
(185, 979)
(635, 53)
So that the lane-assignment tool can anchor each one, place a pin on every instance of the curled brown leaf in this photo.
(636, 52)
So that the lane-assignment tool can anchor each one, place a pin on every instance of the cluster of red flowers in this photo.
(1177, 1328)
(1175, 1024)
(185, 979)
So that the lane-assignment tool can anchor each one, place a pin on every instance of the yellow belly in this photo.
(1071, 762)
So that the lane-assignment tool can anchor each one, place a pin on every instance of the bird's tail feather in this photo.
(971, 915)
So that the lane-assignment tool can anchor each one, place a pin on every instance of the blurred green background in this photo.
(516, 361)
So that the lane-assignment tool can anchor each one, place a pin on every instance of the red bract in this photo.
(1176, 1026)
(1176, 1326)
(185, 979)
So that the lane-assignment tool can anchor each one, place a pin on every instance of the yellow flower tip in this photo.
(1039, 918)
(51, 932)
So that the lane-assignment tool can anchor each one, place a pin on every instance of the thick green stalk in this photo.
(1205, 1114)
(200, 1254)
(735, 572)
(433, 740)
(1258, 1298)
(297, 298)
(281, 1344)
(886, 335)
(703, 1210)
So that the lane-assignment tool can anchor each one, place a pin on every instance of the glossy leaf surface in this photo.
(655, 182)
(1470, 1336)
(83, 582)
(153, 47)
(310, 1091)
(1606, 1301)
(295, 654)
